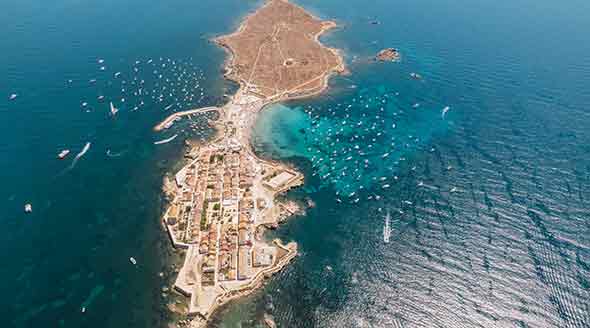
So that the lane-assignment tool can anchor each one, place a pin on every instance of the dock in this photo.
(168, 121)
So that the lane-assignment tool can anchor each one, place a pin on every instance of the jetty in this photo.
(168, 121)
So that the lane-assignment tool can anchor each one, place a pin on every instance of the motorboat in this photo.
(445, 111)
(63, 154)
(416, 76)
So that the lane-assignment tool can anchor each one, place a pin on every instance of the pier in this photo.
(168, 121)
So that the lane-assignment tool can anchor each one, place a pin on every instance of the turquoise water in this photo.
(488, 202)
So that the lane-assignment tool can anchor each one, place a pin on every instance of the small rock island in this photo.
(388, 55)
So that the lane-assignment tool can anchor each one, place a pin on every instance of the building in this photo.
(279, 180)
(244, 263)
(263, 256)
(172, 214)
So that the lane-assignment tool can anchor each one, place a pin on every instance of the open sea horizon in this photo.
(482, 165)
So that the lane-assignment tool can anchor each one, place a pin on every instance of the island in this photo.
(224, 199)
(388, 54)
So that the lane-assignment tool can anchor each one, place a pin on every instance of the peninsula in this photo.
(224, 198)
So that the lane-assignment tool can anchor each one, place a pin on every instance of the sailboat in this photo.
(114, 109)
(387, 229)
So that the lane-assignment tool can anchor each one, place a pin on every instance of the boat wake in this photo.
(387, 229)
(111, 154)
(80, 154)
(160, 142)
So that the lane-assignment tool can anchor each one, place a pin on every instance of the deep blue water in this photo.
(489, 203)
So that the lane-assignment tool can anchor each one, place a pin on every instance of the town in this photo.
(223, 201)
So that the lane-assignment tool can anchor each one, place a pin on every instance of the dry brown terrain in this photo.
(276, 52)
(388, 54)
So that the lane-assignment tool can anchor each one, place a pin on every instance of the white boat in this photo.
(117, 74)
(28, 208)
(114, 109)
(132, 260)
(387, 228)
(13, 96)
(62, 154)
(445, 111)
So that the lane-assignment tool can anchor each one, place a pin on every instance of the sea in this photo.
(476, 145)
